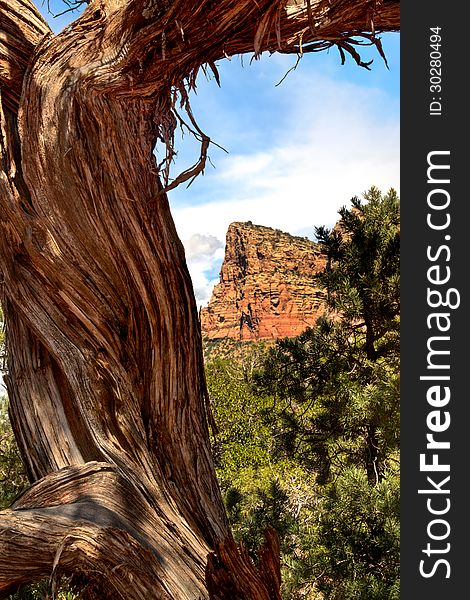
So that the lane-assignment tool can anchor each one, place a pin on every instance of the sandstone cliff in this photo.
(267, 288)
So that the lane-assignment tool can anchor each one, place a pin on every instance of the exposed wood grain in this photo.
(106, 382)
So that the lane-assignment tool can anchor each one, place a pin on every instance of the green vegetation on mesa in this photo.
(308, 427)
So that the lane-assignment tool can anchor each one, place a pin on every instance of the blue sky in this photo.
(298, 151)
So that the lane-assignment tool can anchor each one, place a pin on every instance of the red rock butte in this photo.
(267, 287)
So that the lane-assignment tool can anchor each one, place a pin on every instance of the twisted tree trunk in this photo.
(105, 373)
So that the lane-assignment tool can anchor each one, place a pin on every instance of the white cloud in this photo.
(200, 246)
(204, 254)
(332, 145)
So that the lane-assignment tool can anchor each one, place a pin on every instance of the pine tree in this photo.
(335, 391)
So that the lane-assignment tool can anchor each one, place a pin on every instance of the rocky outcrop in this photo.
(267, 287)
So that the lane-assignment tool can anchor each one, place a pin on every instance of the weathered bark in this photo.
(106, 379)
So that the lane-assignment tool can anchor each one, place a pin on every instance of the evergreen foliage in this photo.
(309, 441)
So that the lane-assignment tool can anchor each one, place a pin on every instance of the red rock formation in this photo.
(267, 288)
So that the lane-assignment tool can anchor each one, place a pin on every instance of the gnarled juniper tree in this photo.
(105, 373)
